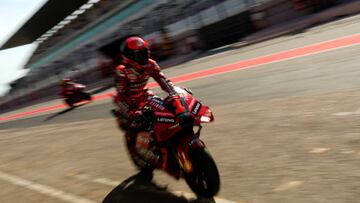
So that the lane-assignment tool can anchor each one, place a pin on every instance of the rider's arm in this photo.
(168, 87)
(121, 101)
(160, 78)
(120, 80)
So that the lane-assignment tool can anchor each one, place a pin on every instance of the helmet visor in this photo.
(139, 56)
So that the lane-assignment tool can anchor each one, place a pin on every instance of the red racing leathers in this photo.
(130, 83)
(132, 95)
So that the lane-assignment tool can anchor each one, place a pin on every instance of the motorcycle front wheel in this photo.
(69, 102)
(204, 180)
(85, 96)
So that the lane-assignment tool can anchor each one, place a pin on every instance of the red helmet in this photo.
(136, 50)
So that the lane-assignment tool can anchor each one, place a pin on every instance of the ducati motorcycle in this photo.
(75, 94)
(184, 154)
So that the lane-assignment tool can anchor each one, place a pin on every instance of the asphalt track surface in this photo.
(284, 132)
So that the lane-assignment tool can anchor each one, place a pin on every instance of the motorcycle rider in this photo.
(66, 85)
(73, 92)
(132, 95)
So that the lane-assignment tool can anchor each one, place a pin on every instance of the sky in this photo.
(13, 14)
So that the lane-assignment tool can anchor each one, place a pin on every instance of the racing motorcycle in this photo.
(75, 94)
(184, 155)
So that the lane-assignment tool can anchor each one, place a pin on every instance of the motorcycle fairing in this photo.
(165, 123)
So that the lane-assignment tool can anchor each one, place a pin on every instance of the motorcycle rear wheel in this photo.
(204, 181)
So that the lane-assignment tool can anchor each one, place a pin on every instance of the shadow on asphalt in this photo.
(137, 189)
(63, 111)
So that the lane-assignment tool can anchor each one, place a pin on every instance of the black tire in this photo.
(85, 96)
(204, 181)
(69, 102)
(88, 97)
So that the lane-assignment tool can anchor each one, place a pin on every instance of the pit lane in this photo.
(278, 135)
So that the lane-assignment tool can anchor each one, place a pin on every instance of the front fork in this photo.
(187, 143)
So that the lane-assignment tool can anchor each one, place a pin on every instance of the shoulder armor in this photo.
(153, 65)
(120, 71)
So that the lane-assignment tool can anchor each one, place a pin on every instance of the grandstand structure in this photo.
(70, 36)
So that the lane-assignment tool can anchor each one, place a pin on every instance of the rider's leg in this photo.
(130, 137)
(146, 150)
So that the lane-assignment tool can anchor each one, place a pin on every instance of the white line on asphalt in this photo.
(347, 152)
(104, 181)
(357, 112)
(288, 185)
(318, 150)
(43, 189)
(343, 114)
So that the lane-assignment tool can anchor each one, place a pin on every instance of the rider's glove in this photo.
(136, 119)
(175, 104)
